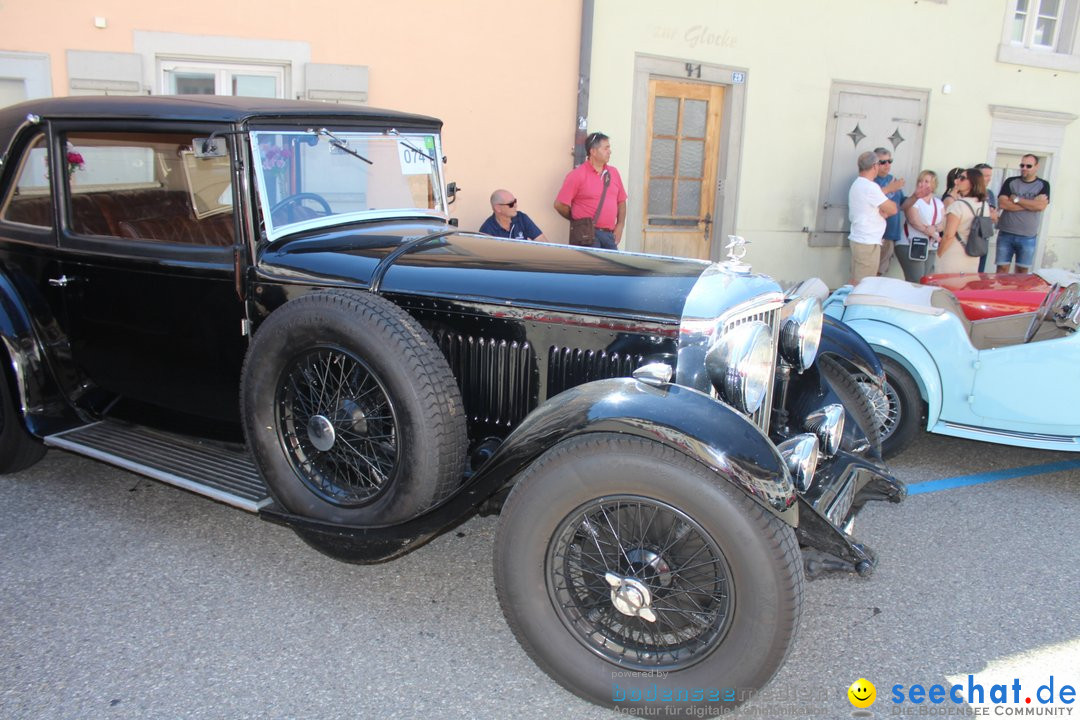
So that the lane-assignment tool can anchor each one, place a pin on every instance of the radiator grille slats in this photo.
(771, 317)
(496, 377)
(568, 367)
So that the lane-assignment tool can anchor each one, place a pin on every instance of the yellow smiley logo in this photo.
(862, 693)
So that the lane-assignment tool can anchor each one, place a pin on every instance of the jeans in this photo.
(1019, 245)
(605, 239)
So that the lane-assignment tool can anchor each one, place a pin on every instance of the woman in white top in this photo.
(924, 219)
(971, 190)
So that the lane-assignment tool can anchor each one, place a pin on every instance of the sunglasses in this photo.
(885, 162)
(1026, 166)
(512, 203)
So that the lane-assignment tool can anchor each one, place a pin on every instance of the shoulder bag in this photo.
(982, 228)
(583, 230)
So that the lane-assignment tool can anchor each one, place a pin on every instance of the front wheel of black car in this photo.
(351, 411)
(898, 407)
(627, 571)
(18, 448)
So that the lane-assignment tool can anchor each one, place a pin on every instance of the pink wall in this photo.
(501, 75)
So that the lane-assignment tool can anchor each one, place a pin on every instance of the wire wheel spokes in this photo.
(338, 426)
(640, 583)
(884, 402)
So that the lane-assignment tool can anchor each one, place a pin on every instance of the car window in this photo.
(29, 201)
(149, 187)
(325, 176)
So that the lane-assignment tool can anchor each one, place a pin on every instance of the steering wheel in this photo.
(297, 199)
(1041, 313)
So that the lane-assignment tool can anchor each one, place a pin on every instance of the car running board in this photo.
(223, 472)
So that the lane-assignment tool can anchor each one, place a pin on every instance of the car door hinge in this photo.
(245, 327)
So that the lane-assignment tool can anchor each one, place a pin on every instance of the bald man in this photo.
(509, 222)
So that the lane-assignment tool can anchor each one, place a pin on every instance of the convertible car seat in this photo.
(933, 300)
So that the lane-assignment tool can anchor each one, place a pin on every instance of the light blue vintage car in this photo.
(1010, 380)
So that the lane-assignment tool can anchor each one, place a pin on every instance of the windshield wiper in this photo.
(339, 143)
(405, 141)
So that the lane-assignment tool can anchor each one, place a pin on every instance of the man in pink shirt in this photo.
(581, 191)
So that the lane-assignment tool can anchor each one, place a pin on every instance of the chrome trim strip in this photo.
(1042, 437)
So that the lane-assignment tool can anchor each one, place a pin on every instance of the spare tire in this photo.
(351, 411)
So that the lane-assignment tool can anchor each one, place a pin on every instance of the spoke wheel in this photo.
(640, 583)
(338, 427)
(884, 403)
(626, 568)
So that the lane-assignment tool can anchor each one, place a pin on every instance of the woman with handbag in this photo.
(970, 202)
(923, 224)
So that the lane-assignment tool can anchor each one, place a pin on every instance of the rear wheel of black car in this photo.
(898, 407)
(625, 568)
(847, 387)
(351, 411)
(18, 448)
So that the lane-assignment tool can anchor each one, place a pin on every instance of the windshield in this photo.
(319, 177)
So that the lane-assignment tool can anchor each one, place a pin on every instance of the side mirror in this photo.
(451, 192)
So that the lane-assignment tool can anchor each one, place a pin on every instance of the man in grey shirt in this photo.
(1021, 202)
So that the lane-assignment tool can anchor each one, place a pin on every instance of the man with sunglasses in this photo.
(892, 188)
(509, 222)
(595, 186)
(1021, 202)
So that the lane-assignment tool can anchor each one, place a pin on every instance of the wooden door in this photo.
(681, 162)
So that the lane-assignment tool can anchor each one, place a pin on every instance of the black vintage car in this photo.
(265, 302)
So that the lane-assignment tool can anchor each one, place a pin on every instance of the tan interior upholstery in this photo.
(154, 214)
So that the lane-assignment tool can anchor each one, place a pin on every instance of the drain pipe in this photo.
(584, 64)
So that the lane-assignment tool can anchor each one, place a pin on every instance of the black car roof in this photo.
(212, 108)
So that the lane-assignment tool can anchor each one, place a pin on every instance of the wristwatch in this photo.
(1015, 199)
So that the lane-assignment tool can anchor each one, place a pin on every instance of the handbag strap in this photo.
(603, 194)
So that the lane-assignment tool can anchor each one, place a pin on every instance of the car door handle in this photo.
(62, 281)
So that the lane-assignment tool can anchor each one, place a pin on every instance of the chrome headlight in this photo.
(801, 455)
(800, 334)
(828, 424)
(740, 365)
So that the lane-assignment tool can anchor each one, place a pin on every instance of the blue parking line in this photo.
(979, 479)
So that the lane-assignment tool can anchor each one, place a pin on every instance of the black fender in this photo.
(42, 402)
(840, 341)
(689, 421)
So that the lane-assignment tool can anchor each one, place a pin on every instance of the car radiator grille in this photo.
(771, 317)
(568, 367)
(497, 377)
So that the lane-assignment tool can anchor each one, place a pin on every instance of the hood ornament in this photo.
(736, 248)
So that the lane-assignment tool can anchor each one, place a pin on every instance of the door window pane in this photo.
(689, 198)
(691, 158)
(660, 192)
(694, 112)
(666, 116)
(663, 157)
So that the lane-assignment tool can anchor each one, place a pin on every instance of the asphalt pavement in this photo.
(125, 598)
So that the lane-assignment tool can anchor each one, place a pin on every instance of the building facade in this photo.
(746, 118)
(726, 117)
